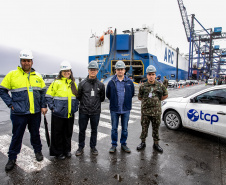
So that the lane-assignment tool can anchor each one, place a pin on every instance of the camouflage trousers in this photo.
(145, 122)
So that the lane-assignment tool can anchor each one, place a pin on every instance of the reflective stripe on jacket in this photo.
(27, 91)
(60, 98)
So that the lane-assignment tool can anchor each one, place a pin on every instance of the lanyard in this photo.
(29, 78)
(30, 88)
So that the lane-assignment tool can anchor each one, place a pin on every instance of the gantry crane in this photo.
(203, 58)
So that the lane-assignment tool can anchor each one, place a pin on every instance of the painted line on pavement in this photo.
(131, 115)
(137, 102)
(136, 111)
(105, 124)
(136, 108)
(88, 132)
(74, 144)
(26, 159)
(109, 118)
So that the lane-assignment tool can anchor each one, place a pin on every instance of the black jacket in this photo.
(90, 104)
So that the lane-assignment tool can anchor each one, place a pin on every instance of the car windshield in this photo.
(171, 80)
(49, 76)
(217, 96)
(189, 93)
(210, 80)
(181, 81)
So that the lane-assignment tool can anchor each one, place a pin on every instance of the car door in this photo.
(208, 112)
(220, 125)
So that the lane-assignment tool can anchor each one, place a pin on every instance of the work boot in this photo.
(79, 152)
(112, 149)
(68, 154)
(60, 157)
(39, 156)
(141, 146)
(10, 164)
(125, 148)
(94, 151)
(157, 147)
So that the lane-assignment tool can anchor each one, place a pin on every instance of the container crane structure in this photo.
(205, 60)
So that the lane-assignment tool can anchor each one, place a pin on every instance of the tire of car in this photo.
(172, 120)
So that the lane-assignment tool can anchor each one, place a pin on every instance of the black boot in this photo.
(68, 154)
(10, 164)
(157, 147)
(141, 146)
(39, 156)
(94, 151)
(60, 157)
(79, 152)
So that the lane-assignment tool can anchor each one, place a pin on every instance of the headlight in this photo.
(163, 102)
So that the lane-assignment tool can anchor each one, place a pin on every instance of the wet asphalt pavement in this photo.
(189, 157)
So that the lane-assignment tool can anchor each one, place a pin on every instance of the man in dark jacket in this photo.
(91, 92)
(120, 91)
(26, 102)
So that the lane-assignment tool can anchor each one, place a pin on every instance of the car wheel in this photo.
(172, 120)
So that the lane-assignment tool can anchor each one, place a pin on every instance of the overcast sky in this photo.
(61, 28)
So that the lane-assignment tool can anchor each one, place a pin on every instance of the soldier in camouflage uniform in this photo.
(151, 93)
(165, 82)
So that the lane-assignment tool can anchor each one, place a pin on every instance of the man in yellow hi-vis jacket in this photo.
(26, 102)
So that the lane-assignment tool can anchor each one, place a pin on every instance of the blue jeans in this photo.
(114, 131)
(83, 122)
(19, 125)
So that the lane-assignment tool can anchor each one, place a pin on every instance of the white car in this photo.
(204, 111)
(194, 81)
(49, 78)
(210, 82)
(182, 82)
(172, 83)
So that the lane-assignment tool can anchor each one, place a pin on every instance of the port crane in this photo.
(205, 60)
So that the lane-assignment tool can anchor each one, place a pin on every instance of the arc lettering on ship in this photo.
(169, 56)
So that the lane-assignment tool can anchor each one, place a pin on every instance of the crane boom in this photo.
(185, 20)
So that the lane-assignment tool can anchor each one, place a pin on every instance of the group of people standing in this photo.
(64, 97)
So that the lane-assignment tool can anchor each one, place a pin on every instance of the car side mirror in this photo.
(192, 100)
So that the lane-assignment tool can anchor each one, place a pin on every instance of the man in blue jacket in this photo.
(26, 102)
(120, 91)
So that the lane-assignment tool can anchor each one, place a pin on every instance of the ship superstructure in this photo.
(138, 48)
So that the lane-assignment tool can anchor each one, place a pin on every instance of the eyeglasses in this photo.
(66, 71)
(121, 69)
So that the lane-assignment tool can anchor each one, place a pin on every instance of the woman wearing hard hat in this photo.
(61, 99)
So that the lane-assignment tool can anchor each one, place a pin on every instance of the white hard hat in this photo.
(151, 69)
(26, 54)
(120, 65)
(65, 65)
(93, 65)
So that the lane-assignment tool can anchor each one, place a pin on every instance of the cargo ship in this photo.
(138, 48)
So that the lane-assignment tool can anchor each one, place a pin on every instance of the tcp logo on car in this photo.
(193, 115)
